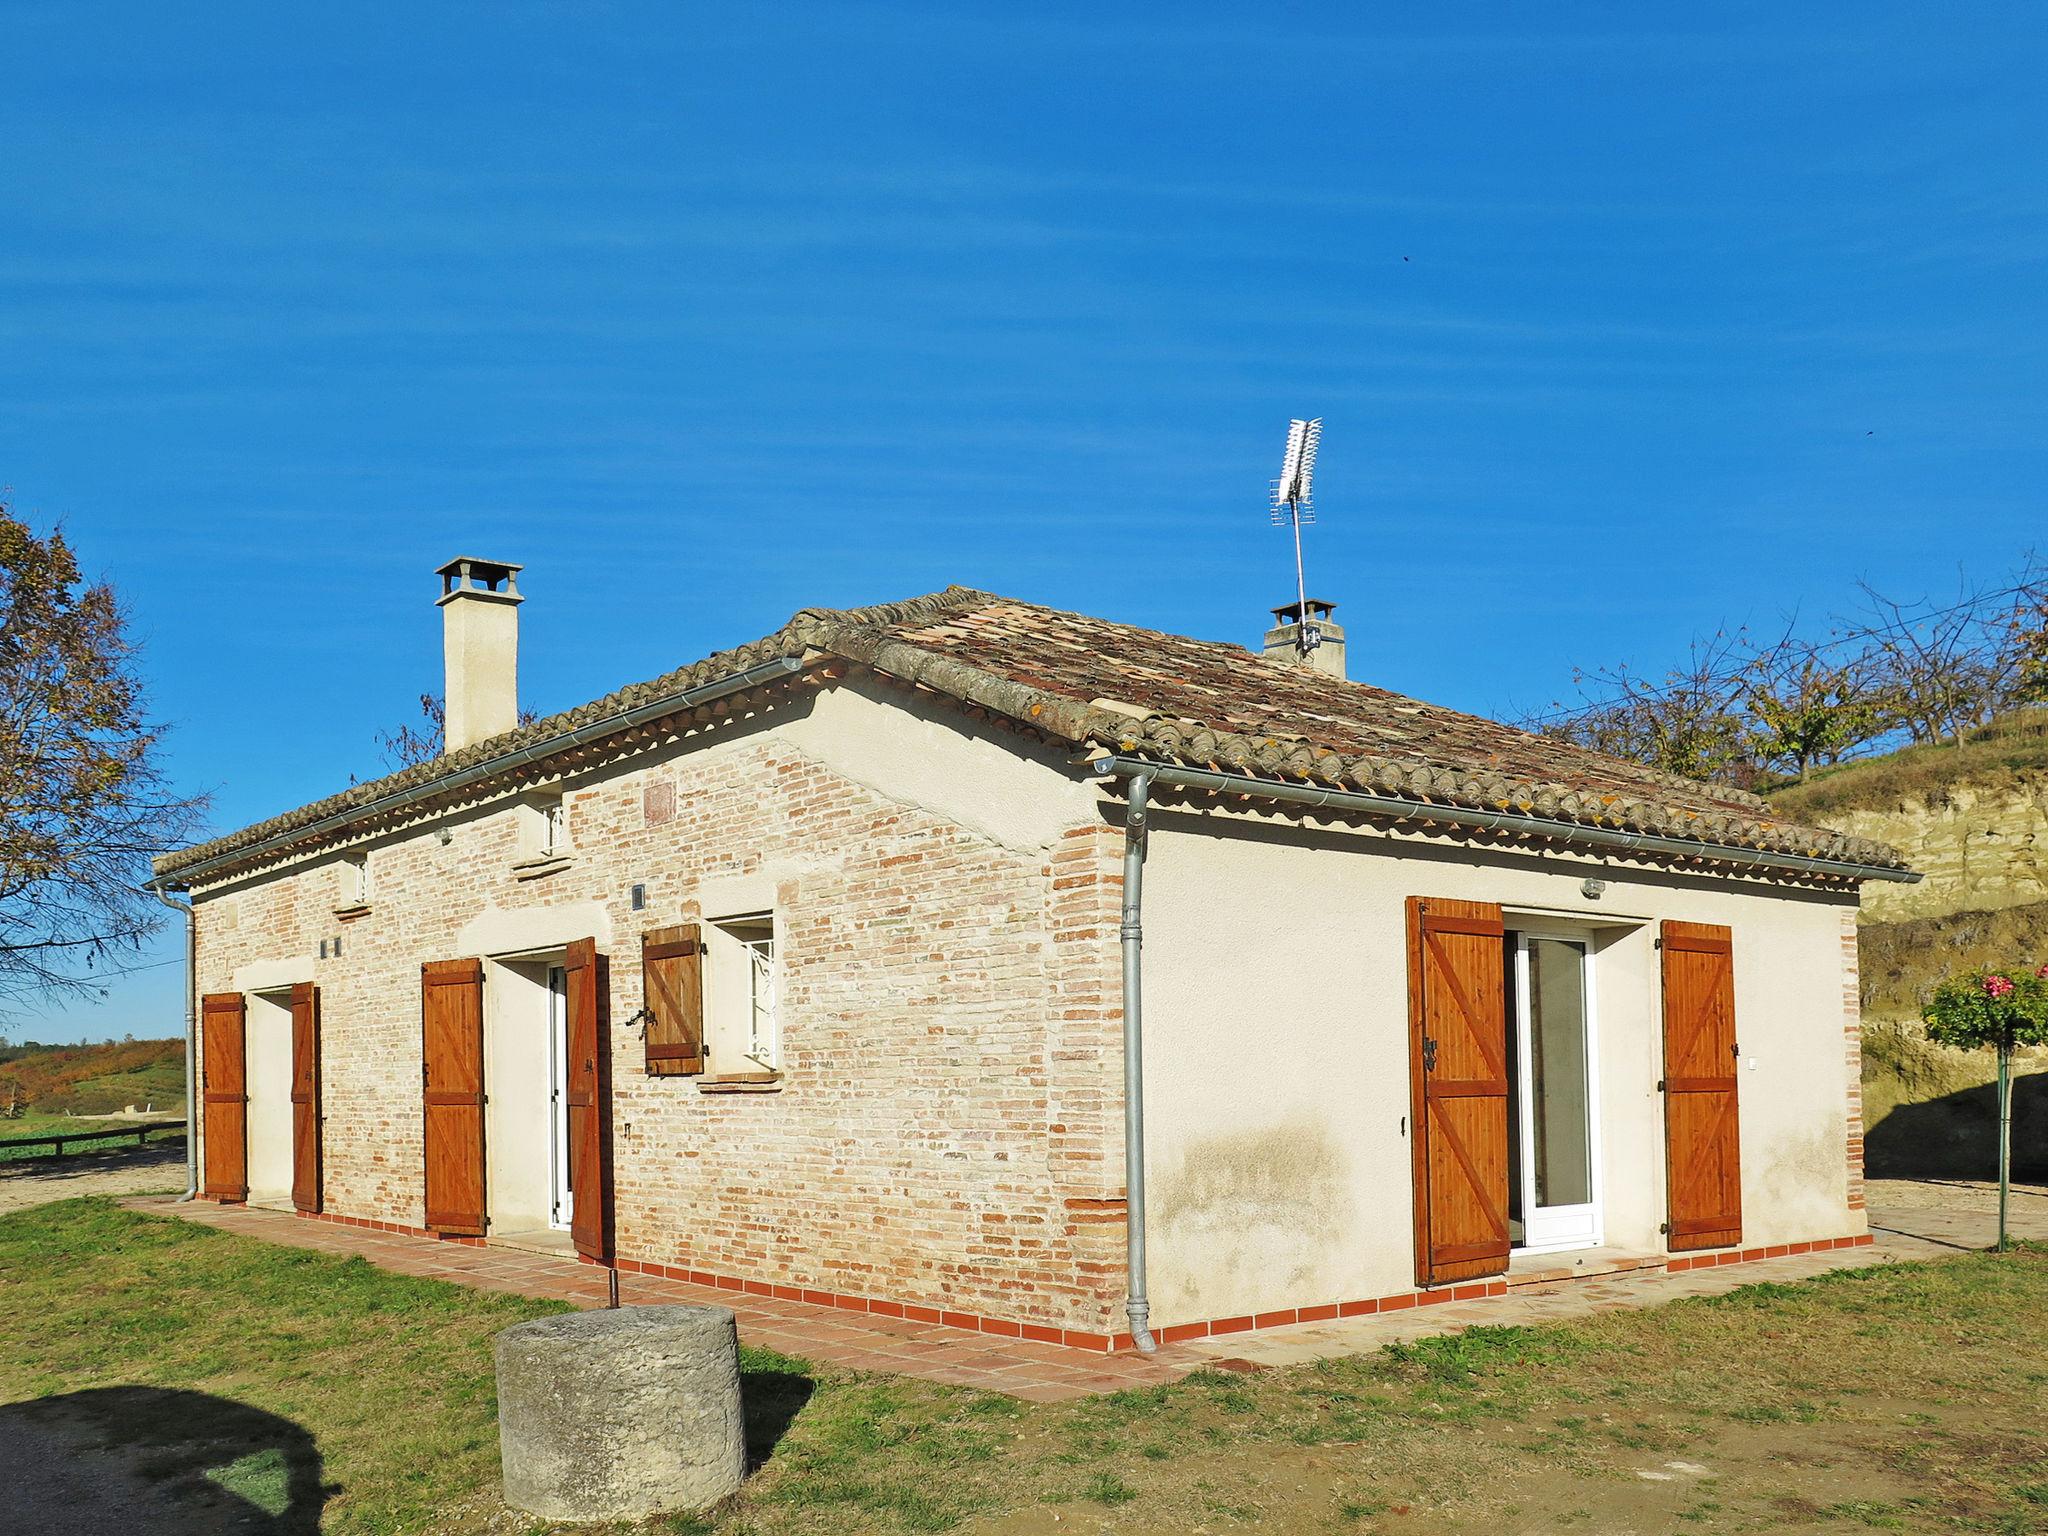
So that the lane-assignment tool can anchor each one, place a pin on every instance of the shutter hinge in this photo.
(1660, 1085)
(1428, 1054)
(1663, 1229)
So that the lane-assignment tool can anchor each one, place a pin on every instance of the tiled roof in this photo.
(1093, 683)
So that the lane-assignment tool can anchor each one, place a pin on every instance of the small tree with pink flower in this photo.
(2003, 1010)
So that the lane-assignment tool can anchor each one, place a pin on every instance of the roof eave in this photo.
(1524, 823)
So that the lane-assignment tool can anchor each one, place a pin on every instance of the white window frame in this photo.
(761, 1025)
(1557, 1229)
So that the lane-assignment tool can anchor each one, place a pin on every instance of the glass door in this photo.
(562, 1195)
(1558, 1134)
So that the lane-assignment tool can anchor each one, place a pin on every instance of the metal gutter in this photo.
(1137, 1304)
(191, 1044)
(490, 768)
(1520, 822)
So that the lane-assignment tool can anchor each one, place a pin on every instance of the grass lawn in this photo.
(36, 1124)
(1907, 1397)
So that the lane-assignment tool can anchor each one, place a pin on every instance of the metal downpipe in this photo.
(1137, 1304)
(191, 1043)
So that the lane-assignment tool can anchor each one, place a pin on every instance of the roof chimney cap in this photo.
(468, 573)
(1290, 613)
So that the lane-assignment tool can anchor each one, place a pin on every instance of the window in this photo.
(543, 820)
(352, 883)
(743, 965)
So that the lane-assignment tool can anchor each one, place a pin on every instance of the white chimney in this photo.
(479, 606)
(1317, 643)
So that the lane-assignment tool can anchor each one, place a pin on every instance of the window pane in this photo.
(1557, 1070)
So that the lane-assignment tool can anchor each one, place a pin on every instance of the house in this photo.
(962, 959)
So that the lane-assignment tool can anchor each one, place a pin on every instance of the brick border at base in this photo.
(1479, 1290)
(1100, 1343)
(394, 1228)
(1002, 1328)
(1178, 1333)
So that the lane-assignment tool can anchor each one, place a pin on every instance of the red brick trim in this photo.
(1852, 1054)
(1476, 1290)
(393, 1227)
(1680, 1262)
(999, 1327)
(1101, 1343)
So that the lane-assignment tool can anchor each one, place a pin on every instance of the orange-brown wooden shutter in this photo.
(306, 1183)
(1703, 1163)
(589, 1101)
(452, 1093)
(1458, 1082)
(225, 1095)
(672, 978)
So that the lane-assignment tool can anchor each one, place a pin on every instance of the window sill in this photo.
(741, 1082)
(353, 910)
(542, 866)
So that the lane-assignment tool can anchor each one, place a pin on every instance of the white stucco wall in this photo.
(1276, 1053)
(268, 1043)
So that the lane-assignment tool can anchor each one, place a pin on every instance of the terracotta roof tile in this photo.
(1091, 682)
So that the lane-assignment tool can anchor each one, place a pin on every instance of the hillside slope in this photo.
(93, 1079)
(1974, 820)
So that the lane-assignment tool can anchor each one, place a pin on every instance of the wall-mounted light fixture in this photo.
(1593, 889)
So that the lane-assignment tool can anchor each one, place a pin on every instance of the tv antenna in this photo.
(1293, 505)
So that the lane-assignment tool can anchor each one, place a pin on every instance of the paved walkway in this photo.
(1918, 1220)
(1914, 1221)
(825, 1335)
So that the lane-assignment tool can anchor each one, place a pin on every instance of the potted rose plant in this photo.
(2003, 1010)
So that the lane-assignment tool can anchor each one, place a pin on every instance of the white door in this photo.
(1557, 1094)
(562, 1196)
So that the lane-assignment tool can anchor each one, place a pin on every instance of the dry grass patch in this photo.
(1903, 1397)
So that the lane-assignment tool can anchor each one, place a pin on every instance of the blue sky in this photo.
(1625, 320)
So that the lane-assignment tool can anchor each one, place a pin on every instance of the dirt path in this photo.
(148, 1169)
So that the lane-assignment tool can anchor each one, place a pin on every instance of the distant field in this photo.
(92, 1079)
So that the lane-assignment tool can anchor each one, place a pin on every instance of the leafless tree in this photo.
(84, 801)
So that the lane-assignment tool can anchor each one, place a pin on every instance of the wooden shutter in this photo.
(1458, 1083)
(225, 1113)
(589, 1101)
(1702, 1153)
(672, 979)
(452, 1093)
(306, 1117)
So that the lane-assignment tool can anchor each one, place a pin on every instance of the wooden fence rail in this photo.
(57, 1143)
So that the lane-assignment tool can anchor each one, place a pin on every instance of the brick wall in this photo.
(949, 1127)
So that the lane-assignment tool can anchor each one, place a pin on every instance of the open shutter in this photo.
(225, 1096)
(589, 1101)
(306, 1190)
(1458, 1082)
(1702, 1154)
(452, 1093)
(672, 979)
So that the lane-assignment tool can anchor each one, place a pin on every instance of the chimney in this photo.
(479, 606)
(1324, 639)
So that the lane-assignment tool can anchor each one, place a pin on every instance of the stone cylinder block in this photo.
(616, 1415)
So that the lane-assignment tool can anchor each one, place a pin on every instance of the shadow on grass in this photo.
(770, 1399)
(151, 1459)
